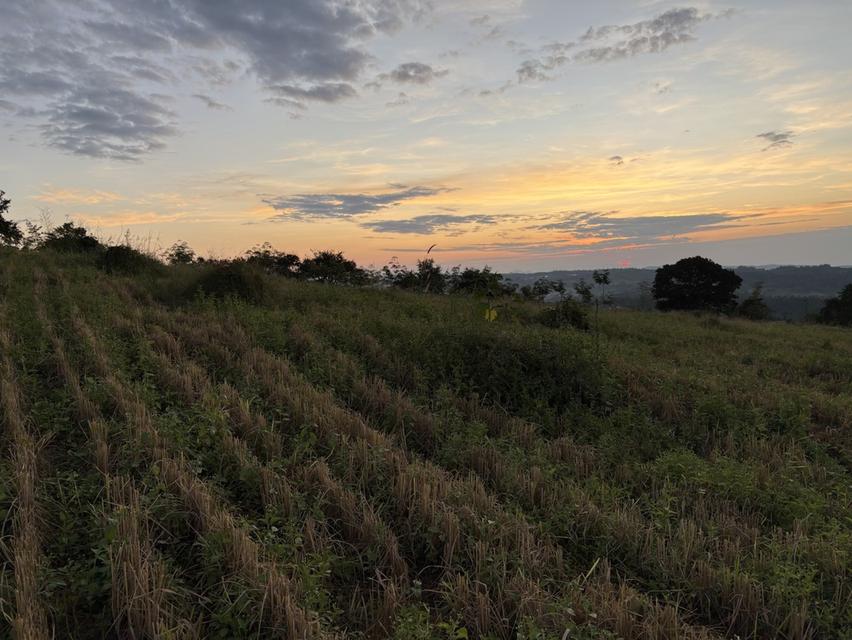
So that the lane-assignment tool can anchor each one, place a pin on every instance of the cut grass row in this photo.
(300, 394)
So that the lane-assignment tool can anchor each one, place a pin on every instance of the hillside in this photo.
(335, 462)
(791, 292)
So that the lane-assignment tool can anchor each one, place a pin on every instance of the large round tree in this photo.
(696, 284)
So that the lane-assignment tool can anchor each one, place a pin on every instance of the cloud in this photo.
(606, 226)
(616, 160)
(777, 139)
(615, 42)
(675, 26)
(92, 63)
(427, 224)
(401, 100)
(309, 206)
(108, 123)
(77, 196)
(328, 92)
(210, 102)
(410, 73)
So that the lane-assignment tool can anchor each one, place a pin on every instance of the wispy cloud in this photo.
(210, 102)
(777, 139)
(409, 73)
(427, 224)
(615, 42)
(606, 225)
(312, 206)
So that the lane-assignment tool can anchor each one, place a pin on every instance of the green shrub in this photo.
(534, 371)
(565, 313)
(67, 238)
(127, 260)
(229, 280)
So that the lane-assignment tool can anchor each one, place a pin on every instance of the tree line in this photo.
(691, 284)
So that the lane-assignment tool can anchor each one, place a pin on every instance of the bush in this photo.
(838, 310)
(530, 371)
(332, 267)
(565, 313)
(754, 307)
(273, 261)
(127, 260)
(67, 238)
(179, 253)
(230, 280)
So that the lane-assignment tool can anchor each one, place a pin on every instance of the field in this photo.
(335, 462)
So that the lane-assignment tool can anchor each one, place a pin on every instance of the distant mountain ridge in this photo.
(792, 292)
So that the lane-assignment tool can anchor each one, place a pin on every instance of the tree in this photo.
(695, 284)
(838, 310)
(754, 307)
(332, 267)
(645, 296)
(273, 261)
(479, 282)
(430, 276)
(10, 233)
(179, 253)
(69, 238)
(542, 288)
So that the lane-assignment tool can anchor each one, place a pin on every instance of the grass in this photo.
(329, 462)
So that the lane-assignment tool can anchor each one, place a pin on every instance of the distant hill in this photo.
(792, 292)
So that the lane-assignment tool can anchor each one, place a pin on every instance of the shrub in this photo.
(271, 260)
(754, 307)
(230, 280)
(68, 238)
(124, 259)
(565, 313)
(838, 310)
(479, 282)
(179, 253)
(332, 267)
(530, 371)
(429, 277)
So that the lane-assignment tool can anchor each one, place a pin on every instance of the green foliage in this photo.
(229, 280)
(10, 233)
(754, 307)
(332, 267)
(427, 278)
(127, 260)
(479, 282)
(541, 288)
(68, 238)
(703, 461)
(694, 284)
(527, 371)
(179, 253)
(838, 310)
(565, 313)
(273, 261)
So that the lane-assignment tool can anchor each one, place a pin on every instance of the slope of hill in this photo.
(791, 292)
(336, 462)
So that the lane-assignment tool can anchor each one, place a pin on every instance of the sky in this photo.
(524, 134)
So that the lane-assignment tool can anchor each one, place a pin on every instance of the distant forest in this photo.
(791, 292)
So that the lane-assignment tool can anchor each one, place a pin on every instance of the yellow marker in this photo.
(491, 314)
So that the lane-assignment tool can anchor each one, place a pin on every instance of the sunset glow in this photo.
(528, 135)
